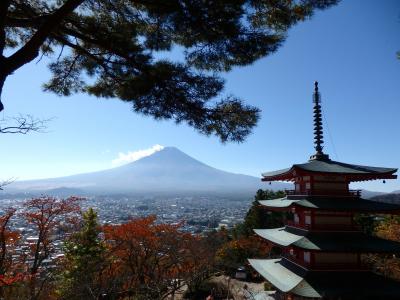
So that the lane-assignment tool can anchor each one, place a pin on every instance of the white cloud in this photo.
(124, 158)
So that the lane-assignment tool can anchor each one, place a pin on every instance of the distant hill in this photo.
(388, 198)
(57, 192)
(369, 194)
(169, 171)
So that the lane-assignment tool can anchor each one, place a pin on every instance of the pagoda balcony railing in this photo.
(349, 193)
(339, 266)
(326, 266)
(327, 227)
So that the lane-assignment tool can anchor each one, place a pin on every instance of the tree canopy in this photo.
(113, 49)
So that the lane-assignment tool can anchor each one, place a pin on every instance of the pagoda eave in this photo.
(281, 175)
(349, 172)
(355, 178)
(291, 175)
(330, 242)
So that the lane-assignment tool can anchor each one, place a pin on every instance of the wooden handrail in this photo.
(350, 193)
(328, 227)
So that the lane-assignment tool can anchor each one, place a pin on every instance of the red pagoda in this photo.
(322, 244)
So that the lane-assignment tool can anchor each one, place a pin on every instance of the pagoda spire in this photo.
(318, 129)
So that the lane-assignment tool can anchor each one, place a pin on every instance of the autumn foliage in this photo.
(236, 252)
(387, 264)
(154, 260)
(8, 242)
(26, 271)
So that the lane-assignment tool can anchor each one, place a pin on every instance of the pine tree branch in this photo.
(31, 49)
(33, 22)
(4, 4)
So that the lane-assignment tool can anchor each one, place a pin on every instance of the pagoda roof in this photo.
(329, 241)
(352, 172)
(332, 204)
(291, 278)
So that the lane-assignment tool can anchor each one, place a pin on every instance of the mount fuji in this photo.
(168, 171)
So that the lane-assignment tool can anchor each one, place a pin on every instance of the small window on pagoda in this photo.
(296, 219)
(307, 257)
(308, 220)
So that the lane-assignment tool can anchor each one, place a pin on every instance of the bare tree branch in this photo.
(23, 124)
(6, 182)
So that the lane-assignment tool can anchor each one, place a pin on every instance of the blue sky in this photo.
(350, 49)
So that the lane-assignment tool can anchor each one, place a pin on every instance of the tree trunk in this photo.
(2, 80)
(3, 76)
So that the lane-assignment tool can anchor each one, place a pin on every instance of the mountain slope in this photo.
(166, 171)
(388, 198)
